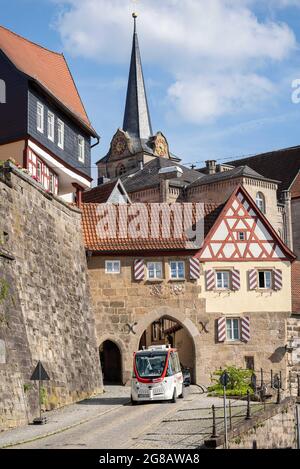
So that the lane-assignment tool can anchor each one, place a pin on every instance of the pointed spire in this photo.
(136, 118)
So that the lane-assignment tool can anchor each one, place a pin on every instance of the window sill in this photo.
(233, 342)
(182, 280)
(155, 280)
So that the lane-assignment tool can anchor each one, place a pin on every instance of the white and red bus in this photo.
(157, 375)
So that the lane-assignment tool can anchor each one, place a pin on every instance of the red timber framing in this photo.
(41, 172)
(242, 233)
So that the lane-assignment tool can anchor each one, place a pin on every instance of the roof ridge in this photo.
(31, 42)
(265, 153)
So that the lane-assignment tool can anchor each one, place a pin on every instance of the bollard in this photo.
(298, 380)
(280, 377)
(278, 400)
(261, 377)
(214, 427)
(248, 414)
(272, 379)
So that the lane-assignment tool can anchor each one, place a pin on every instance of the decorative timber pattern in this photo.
(242, 233)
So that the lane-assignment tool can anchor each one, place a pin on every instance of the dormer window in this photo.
(60, 134)
(81, 152)
(40, 117)
(261, 202)
(50, 126)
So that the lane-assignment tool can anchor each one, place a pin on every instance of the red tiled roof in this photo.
(90, 221)
(48, 68)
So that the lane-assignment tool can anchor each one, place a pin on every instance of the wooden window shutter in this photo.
(236, 280)
(194, 268)
(253, 282)
(221, 329)
(210, 278)
(139, 269)
(245, 329)
(278, 280)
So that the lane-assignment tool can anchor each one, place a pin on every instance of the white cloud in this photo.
(215, 50)
(204, 98)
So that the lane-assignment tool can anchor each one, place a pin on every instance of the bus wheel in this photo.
(174, 398)
(133, 402)
(182, 393)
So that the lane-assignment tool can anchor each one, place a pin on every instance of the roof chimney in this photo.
(211, 166)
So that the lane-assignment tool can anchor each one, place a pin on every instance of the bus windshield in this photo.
(150, 365)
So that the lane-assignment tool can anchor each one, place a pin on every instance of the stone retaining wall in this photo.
(46, 313)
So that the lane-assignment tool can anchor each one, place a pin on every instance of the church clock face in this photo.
(161, 147)
(119, 145)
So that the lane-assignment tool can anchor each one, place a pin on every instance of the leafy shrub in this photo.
(238, 385)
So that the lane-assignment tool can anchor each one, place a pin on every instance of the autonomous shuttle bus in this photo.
(157, 375)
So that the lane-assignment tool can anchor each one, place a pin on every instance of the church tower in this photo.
(134, 144)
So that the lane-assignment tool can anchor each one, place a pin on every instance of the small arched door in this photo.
(110, 358)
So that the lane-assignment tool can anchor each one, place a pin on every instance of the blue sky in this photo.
(218, 73)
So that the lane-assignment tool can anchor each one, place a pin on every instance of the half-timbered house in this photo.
(225, 303)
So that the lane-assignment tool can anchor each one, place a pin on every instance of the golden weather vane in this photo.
(135, 3)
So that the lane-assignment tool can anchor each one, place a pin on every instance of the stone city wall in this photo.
(45, 310)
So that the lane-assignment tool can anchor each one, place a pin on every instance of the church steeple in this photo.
(137, 120)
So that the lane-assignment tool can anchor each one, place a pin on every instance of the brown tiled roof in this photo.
(48, 68)
(281, 165)
(90, 220)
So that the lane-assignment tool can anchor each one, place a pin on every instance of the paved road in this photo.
(120, 428)
(109, 421)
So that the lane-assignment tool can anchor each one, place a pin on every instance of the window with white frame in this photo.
(242, 236)
(223, 280)
(154, 270)
(39, 171)
(50, 127)
(265, 279)
(177, 270)
(40, 117)
(261, 202)
(81, 152)
(232, 329)
(112, 267)
(60, 134)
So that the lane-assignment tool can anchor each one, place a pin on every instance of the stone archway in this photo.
(111, 354)
(177, 316)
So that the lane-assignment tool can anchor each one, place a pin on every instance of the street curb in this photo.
(61, 430)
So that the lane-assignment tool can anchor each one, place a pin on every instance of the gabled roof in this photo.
(101, 194)
(49, 69)
(117, 242)
(240, 214)
(148, 176)
(238, 172)
(282, 165)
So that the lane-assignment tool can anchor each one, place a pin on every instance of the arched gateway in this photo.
(111, 362)
(166, 325)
